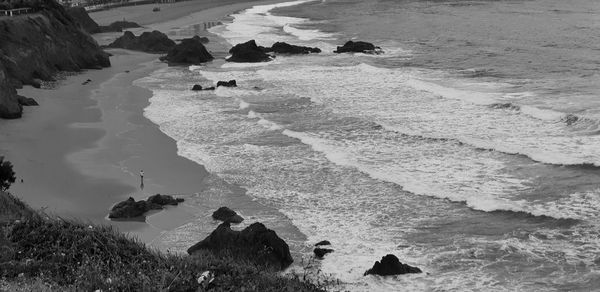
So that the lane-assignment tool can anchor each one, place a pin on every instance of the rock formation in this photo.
(150, 42)
(358, 47)
(390, 265)
(321, 252)
(230, 83)
(227, 215)
(131, 208)
(81, 17)
(285, 48)
(189, 51)
(248, 52)
(197, 87)
(323, 242)
(255, 243)
(36, 46)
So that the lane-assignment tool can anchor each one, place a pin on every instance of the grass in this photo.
(42, 253)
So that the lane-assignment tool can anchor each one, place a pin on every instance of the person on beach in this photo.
(142, 179)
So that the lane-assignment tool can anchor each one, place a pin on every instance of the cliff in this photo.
(34, 47)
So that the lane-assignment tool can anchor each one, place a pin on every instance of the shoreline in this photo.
(94, 139)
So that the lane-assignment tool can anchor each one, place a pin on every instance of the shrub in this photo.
(7, 175)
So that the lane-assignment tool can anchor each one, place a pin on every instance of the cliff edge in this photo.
(34, 47)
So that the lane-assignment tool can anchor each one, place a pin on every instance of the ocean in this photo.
(470, 148)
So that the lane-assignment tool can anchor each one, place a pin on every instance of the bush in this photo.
(7, 175)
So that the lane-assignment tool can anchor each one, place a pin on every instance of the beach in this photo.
(82, 149)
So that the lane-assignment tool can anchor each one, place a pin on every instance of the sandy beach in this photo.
(81, 150)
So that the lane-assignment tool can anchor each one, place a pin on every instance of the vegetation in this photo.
(41, 253)
(7, 175)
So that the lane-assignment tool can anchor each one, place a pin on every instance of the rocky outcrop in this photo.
(81, 17)
(255, 243)
(390, 265)
(323, 242)
(197, 87)
(10, 107)
(321, 252)
(118, 26)
(190, 51)
(227, 215)
(26, 101)
(230, 83)
(150, 42)
(285, 48)
(164, 200)
(248, 52)
(131, 208)
(358, 47)
(36, 46)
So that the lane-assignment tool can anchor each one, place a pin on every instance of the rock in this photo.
(255, 242)
(118, 26)
(164, 200)
(81, 17)
(321, 252)
(131, 209)
(248, 52)
(227, 215)
(209, 88)
(230, 83)
(150, 42)
(189, 51)
(197, 87)
(323, 242)
(10, 107)
(26, 101)
(358, 47)
(390, 265)
(570, 119)
(285, 48)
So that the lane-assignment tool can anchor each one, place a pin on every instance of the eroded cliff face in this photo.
(9, 104)
(36, 46)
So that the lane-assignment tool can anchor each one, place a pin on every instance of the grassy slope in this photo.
(40, 253)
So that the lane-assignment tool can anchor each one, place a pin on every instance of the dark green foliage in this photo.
(7, 175)
(81, 257)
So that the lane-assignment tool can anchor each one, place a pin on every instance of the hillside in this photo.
(34, 47)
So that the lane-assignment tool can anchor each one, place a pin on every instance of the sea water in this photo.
(470, 148)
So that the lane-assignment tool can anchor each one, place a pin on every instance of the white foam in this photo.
(307, 34)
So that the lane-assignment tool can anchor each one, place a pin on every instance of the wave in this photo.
(337, 154)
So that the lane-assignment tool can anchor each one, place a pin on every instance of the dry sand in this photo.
(81, 150)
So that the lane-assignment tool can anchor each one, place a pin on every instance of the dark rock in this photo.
(227, 215)
(390, 265)
(164, 200)
(36, 83)
(209, 88)
(10, 107)
(285, 48)
(321, 252)
(248, 52)
(131, 209)
(81, 17)
(150, 42)
(26, 101)
(323, 242)
(118, 26)
(203, 40)
(507, 105)
(255, 242)
(197, 87)
(358, 47)
(189, 51)
(230, 83)
(570, 119)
